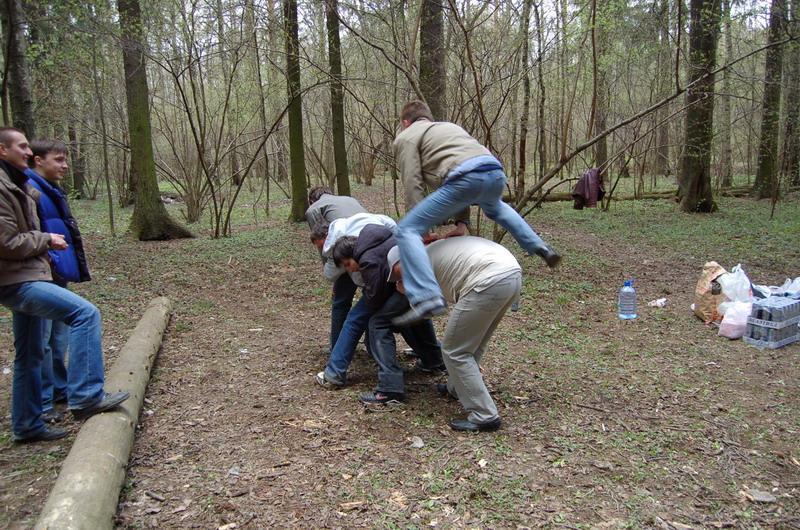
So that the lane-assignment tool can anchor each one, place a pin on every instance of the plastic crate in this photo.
(772, 345)
(774, 325)
(773, 322)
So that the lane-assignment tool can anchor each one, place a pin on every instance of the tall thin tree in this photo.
(662, 127)
(790, 166)
(337, 97)
(296, 155)
(767, 171)
(725, 147)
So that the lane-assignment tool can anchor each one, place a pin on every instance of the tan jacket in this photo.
(427, 151)
(23, 248)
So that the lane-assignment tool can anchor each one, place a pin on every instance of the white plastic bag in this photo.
(734, 323)
(790, 288)
(736, 288)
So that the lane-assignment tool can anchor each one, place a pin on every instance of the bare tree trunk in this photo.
(600, 93)
(150, 220)
(17, 78)
(726, 152)
(662, 131)
(337, 98)
(296, 155)
(695, 168)
(432, 57)
(766, 181)
(790, 167)
(541, 143)
(98, 91)
(78, 162)
(255, 61)
(526, 98)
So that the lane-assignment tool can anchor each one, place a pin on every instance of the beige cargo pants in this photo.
(472, 322)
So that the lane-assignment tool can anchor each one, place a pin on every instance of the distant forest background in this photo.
(215, 97)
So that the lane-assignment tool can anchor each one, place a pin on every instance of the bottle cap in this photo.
(628, 283)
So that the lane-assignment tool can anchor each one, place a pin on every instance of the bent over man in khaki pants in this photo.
(482, 279)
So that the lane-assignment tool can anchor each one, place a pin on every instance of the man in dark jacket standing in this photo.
(26, 288)
(47, 168)
(367, 255)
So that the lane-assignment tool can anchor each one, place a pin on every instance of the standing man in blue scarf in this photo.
(46, 169)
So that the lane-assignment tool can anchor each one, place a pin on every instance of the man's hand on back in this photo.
(459, 230)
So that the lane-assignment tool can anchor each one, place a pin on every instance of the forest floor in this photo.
(656, 422)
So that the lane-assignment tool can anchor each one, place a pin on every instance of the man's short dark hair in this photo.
(315, 193)
(319, 231)
(5, 134)
(344, 248)
(416, 110)
(42, 148)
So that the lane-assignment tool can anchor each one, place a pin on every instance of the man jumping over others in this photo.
(443, 155)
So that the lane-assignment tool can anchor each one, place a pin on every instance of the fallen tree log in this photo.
(86, 493)
(742, 191)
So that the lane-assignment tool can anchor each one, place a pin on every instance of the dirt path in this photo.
(605, 422)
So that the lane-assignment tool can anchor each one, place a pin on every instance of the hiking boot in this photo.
(106, 403)
(52, 416)
(468, 426)
(550, 256)
(382, 398)
(48, 434)
(328, 382)
(421, 311)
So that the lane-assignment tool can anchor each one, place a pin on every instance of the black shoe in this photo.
(60, 398)
(441, 390)
(550, 256)
(409, 352)
(382, 398)
(439, 369)
(52, 416)
(421, 311)
(108, 402)
(468, 426)
(48, 434)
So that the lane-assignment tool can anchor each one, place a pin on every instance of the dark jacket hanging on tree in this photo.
(588, 190)
(69, 265)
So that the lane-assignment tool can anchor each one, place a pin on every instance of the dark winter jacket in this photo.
(69, 265)
(588, 190)
(373, 244)
(23, 246)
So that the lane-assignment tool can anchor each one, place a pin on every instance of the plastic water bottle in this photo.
(627, 301)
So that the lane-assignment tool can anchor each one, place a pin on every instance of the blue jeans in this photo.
(341, 301)
(484, 188)
(342, 353)
(31, 302)
(54, 372)
(421, 337)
